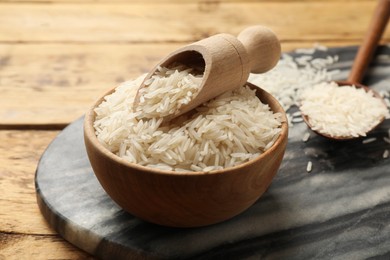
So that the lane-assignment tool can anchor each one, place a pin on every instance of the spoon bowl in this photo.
(349, 137)
(362, 60)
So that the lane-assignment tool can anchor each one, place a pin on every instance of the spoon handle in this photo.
(262, 46)
(370, 41)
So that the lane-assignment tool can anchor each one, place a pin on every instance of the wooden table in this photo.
(57, 57)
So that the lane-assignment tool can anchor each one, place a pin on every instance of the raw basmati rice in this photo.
(297, 120)
(297, 113)
(385, 154)
(168, 90)
(295, 73)
(342, 111)
(369, 140)
(306, 137)
(231, 129)
(292, 75)
(309, 166)
(191, 146)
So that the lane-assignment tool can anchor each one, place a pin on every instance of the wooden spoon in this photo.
(362, 60)
(225, 61)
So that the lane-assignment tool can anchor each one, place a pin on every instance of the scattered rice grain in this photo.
(385, 154)
(309, 166)
(306, 137)
(297, 113)
(297, 120)
(369, 140)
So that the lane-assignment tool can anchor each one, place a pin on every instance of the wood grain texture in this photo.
(23, 230)
(26, 246)
(57, 83)
(20, 152)
(162, 22)
(49, 85)
(159, 1)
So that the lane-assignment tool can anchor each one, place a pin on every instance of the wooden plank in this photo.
(50, 85)
(170, 22)
(19, 212)
(56, 83)
(21, 246)
(154, 1)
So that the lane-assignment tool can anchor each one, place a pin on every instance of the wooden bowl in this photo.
(184, 199)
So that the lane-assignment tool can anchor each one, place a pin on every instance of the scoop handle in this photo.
(370, 41)
(262, 46)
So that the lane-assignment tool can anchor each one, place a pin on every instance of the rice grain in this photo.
(226, 131)
(385, 154)
(309, 166)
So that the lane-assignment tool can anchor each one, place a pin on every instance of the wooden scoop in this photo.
(225, 61)
(363, 58)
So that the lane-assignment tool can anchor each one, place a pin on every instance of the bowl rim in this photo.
(89, 132)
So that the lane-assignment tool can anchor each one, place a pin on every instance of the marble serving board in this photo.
(340, 210)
